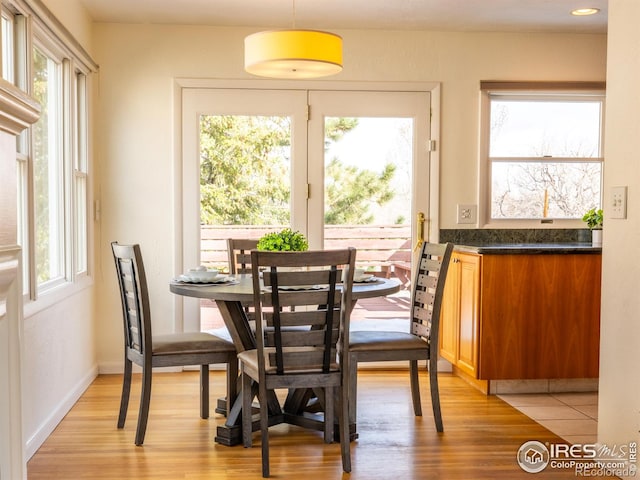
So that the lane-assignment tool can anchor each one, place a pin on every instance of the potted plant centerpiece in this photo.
(283, 241)
(594, 219)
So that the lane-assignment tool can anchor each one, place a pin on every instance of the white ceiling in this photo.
(456, 15)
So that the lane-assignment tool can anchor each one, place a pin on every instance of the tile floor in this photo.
(571, 416)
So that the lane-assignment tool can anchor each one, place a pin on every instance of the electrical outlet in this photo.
(618, 203)
(467, 213)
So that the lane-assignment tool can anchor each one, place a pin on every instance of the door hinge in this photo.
(308, 112)
(431, 146)
(308, 190)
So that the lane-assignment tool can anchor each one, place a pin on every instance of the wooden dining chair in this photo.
(171, 350)
(300, 348)
(421, 342)
(239, 253)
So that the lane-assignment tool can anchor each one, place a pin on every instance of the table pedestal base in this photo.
(232, 435)
(229, 436)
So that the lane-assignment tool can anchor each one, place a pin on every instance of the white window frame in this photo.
(32, 25)
(57, 179)
(543, 91)
(81, 174)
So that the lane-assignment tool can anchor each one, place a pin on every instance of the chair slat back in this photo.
(302, 316)
(428, 288)
(239, 254)
(134, 296)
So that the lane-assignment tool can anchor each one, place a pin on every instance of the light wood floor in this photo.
(482, 435)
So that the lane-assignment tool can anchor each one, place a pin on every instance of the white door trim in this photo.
(182, 84)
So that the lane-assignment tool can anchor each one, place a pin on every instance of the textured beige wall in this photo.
(75, 18)
(619, 402)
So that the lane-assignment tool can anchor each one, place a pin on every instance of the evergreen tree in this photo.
(244, 174)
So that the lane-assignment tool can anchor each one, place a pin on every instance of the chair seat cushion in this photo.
(250, 359)
(382, 340)
(190, 342)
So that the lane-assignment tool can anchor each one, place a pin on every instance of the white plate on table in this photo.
(220, 279)
(301, 287)
(365, 279)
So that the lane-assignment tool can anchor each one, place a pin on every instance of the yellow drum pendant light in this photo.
(293, 54)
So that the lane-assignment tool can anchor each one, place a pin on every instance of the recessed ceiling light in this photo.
(584, 11)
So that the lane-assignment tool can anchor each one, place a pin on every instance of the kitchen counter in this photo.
(528, 248)
(515, 312)
(522, 308)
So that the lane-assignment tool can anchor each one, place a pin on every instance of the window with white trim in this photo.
(543, 151)
(41, 58)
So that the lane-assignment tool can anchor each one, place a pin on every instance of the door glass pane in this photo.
(244, 170)
(367, 199)
(245, 185)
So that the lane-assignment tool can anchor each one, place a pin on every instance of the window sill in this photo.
(56, 295)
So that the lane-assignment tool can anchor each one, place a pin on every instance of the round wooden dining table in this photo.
(231, 298)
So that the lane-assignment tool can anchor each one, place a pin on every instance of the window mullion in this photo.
(31, 235)
(548, 159)
(68, 161)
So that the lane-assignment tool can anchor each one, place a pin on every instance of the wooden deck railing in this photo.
(380, 247)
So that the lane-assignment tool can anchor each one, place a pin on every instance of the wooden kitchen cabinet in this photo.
(460, 313)
(522, 316)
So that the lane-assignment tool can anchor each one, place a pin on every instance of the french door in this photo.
(392, 132)
(348, 161)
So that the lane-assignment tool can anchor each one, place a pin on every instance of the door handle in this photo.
(420, 231)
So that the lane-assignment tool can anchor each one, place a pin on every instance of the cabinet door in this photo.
(540, 316)
(469, 304)
(450, 312)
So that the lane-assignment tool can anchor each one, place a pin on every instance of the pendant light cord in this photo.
(293, 13)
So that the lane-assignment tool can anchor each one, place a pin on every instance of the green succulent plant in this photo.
(593, 218)
(284, 241)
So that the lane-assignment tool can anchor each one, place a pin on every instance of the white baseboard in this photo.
(553, 385)
(116, 368)
(47, 427)
(113, 368)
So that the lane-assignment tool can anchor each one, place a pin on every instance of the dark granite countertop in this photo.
(528, 248)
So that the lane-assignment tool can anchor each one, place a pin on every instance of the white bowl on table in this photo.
(361, 275)
(198, 275)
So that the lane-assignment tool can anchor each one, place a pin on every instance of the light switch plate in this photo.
(618, 203)
(467, 213)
